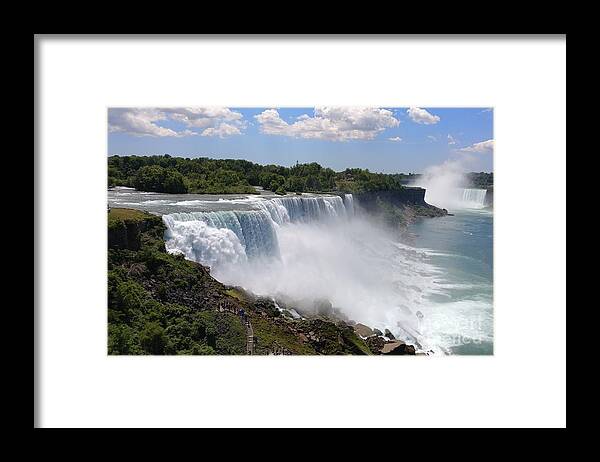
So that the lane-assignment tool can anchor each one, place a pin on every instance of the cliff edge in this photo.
(398, 208)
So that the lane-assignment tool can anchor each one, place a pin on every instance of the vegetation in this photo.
(276, 335)
(221, 176)
(155, 302)
(118, 217)
(481, 180)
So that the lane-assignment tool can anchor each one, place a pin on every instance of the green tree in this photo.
(149, 178)
(295, 183)
(153, 339)
(174, 182)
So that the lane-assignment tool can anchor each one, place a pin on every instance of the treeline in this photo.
(481, 180)
(222, 176)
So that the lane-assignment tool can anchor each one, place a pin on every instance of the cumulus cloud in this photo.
(481, 147)
(330, 123)
(216, 121)
(140, 122)
(421, 116)
(395, 138)
(222, 131)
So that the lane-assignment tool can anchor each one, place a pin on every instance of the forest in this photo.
(203, 175)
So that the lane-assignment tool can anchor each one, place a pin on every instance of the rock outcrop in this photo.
(363, 331)
(125, 228)
(398, 207)
(397, 347)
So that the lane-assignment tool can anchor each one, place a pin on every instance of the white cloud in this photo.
(395, 138)
(432, 138)
(139, 122)
(222, 131)
(451, 139)
(330, 123)
(481, 147)
(216, 121)
(421, 116)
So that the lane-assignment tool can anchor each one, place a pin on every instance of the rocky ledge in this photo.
(398, 208)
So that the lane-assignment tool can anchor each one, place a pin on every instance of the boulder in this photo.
(389, 335)
(397, 347)
(267, 307)
(377, 332)
(393, 347)
(363, 331)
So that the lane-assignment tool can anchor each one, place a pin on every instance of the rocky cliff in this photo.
(125, 228)
(398, 207)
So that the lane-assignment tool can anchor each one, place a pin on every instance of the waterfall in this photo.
(474, 198)
(349, 204)
(454, 198)
(309, 209)
(222, 237)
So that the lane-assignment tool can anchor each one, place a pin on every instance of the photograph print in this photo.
(300, 231)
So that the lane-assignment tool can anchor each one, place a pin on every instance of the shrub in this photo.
(153, 339)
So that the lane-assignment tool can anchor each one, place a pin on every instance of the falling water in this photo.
(474, 198)
(218, 238)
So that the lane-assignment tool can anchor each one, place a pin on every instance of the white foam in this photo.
(200, 242)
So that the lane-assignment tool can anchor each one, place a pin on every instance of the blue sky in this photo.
(380, 139)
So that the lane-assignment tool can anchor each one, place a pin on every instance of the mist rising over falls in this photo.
(307, 248)
(446, 186)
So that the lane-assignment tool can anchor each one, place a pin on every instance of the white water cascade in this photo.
(224, 237)
(455, 198)
(474, 198)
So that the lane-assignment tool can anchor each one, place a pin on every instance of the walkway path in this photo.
(247, 325)
(249, 338)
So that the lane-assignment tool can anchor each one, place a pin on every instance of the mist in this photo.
(447, 185)
(345, 265)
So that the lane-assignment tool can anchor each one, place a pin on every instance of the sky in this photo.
(389, 140)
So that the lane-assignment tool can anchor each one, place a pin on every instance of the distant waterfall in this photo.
(349, 204)
(474, 198)
(236, 236)
(453, 198)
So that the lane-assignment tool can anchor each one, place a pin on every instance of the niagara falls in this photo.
(330, 231)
